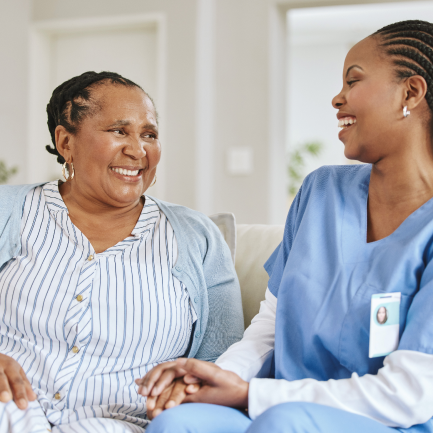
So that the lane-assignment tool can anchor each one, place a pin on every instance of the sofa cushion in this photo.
(254, 244)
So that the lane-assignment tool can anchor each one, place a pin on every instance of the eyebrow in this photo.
(351, 67)
(128, 122)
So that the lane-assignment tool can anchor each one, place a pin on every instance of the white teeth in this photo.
(342, 123)
(125, 172)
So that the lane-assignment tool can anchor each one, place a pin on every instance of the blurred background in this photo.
(243, 87)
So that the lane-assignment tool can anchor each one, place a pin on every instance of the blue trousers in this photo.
(283, 418)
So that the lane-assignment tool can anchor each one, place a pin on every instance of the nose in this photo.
(135, 148)
(338, 100)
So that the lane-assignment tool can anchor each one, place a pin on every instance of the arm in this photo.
(253, 353)
(400, 395)
(225, 322)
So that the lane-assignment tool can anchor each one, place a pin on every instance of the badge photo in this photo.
(384, 324)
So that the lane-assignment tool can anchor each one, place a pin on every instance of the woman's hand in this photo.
(172, 396)
(14, 383)
(218, 386)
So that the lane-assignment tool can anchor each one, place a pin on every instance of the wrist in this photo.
(245, 386)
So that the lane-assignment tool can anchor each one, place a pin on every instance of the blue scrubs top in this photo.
(324, 273)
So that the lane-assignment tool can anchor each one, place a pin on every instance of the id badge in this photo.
(384, 324)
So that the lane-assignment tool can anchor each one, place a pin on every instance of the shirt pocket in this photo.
(355, 331)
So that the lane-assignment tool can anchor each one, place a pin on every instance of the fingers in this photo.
(162, 400)
(178, 394)
(202, 370)
(18, 388)
(5, 391)
(193, 388)
(155, 402)
(147, 382)
(189, 378)
(14, 383)
(164, 381)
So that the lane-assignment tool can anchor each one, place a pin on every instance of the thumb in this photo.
(189, 378)
(200, 369)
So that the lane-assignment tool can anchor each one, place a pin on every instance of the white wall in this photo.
(241, 66)
(319, 39)
(14, 23)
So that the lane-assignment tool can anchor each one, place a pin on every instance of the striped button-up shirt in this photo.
(83, 325)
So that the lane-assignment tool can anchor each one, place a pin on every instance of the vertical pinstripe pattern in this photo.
(131, 313)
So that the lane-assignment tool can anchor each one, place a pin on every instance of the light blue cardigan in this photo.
(204, 265)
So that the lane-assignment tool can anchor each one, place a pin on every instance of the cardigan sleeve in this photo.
(225, 325)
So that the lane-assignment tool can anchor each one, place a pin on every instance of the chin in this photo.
(127, 196)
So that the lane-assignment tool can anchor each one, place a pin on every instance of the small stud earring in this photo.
(406, 112)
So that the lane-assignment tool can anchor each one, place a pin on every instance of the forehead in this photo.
(365, 54)
(116, 101)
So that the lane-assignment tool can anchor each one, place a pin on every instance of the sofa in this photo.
(250, 245)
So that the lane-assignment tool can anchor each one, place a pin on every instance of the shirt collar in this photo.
(52, 196)
(150, 214)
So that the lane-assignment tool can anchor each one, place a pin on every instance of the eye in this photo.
(150, 136)
(117, 131)
(350, 83)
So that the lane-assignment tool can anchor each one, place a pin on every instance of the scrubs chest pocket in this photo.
(355, 331)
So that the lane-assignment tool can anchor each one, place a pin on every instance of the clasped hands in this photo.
(189, 380)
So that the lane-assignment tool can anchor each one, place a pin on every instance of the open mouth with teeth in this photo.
(346, 122)
(125, 172)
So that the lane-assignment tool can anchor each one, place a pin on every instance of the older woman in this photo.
(358, 238)
(98, 282)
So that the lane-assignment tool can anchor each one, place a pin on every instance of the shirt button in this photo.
(197, 334)
(57, 396)
(79, 298)
(75, 349)
(90, 258)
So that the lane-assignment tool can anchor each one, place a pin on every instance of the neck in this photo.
(404, 178)
(81, 203)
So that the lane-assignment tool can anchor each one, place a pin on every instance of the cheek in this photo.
(97, 151)
(153, 154)
(375, 102)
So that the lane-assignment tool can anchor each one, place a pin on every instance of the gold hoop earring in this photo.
(154, 181)
(71, 171)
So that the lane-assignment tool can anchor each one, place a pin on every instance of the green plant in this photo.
(297, 163)
(5, 172)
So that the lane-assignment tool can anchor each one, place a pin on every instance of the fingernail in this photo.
(156, 412)
(22, 403)
(170, 404)
(144, 390)
(5, 396)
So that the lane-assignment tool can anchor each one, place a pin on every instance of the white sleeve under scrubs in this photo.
(323, 276)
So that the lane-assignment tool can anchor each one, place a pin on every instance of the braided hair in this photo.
(72, 101)
(410, 43)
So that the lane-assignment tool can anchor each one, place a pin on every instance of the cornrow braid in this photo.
(72, 101)
(410, 43)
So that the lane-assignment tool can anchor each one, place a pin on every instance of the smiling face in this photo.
(369, 104)
(115, 151)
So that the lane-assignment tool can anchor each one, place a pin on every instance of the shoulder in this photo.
(330, 179)
(337, 174)
(187, 220)
(12, 197)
